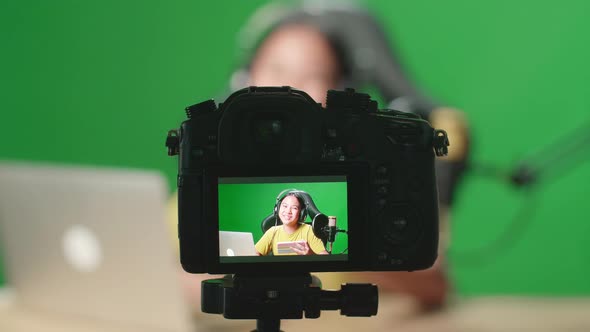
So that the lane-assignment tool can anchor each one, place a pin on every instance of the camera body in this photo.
(383, 161)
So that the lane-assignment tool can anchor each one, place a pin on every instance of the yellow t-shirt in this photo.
(276, 234)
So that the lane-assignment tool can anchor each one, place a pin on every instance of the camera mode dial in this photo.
(195, 110)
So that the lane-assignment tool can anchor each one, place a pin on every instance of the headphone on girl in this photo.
(297, 194)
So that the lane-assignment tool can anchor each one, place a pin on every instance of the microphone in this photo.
(332, 229)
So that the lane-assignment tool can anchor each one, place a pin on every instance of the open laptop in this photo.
(91, 243)
(236, 244)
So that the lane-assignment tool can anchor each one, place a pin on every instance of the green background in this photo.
(242, 207)
(101, 82)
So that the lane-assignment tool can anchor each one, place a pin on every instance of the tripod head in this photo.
(270, 298)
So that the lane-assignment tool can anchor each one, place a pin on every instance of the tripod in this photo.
(270, 298)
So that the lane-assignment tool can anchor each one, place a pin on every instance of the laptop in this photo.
(236, 244)
(91, 242)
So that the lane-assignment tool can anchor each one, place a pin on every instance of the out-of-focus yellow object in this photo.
(173, 220)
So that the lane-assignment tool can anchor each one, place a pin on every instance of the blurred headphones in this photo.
(360, 43)
(297, 194)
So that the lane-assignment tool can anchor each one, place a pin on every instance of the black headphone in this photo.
(297, 194)
(365, 56)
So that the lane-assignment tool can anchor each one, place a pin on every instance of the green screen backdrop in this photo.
(100, 83)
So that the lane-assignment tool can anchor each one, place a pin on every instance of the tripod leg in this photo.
(268, 325)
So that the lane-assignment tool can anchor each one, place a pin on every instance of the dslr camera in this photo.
(372, 170)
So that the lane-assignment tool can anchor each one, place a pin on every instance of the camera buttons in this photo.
(400, 223)
(382, 171)
(198, 153)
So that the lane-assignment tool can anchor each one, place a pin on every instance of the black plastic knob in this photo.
(348, 100)
(200, 108)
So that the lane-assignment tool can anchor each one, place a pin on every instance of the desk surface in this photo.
(486, 314)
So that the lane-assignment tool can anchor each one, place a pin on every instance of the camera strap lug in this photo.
(172, 142)
(441, 142)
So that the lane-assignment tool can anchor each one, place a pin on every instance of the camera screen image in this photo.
(283, 219)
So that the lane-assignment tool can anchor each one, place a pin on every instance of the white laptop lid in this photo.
(236, 244)
(91, 242)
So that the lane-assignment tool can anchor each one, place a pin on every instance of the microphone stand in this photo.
(331, 232)
(553, 160)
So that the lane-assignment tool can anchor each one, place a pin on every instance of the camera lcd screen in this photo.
(247, 205)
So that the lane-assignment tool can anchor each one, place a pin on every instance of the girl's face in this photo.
(289, 210)
(297, 56)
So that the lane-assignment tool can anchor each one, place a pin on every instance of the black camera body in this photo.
(384, 158)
